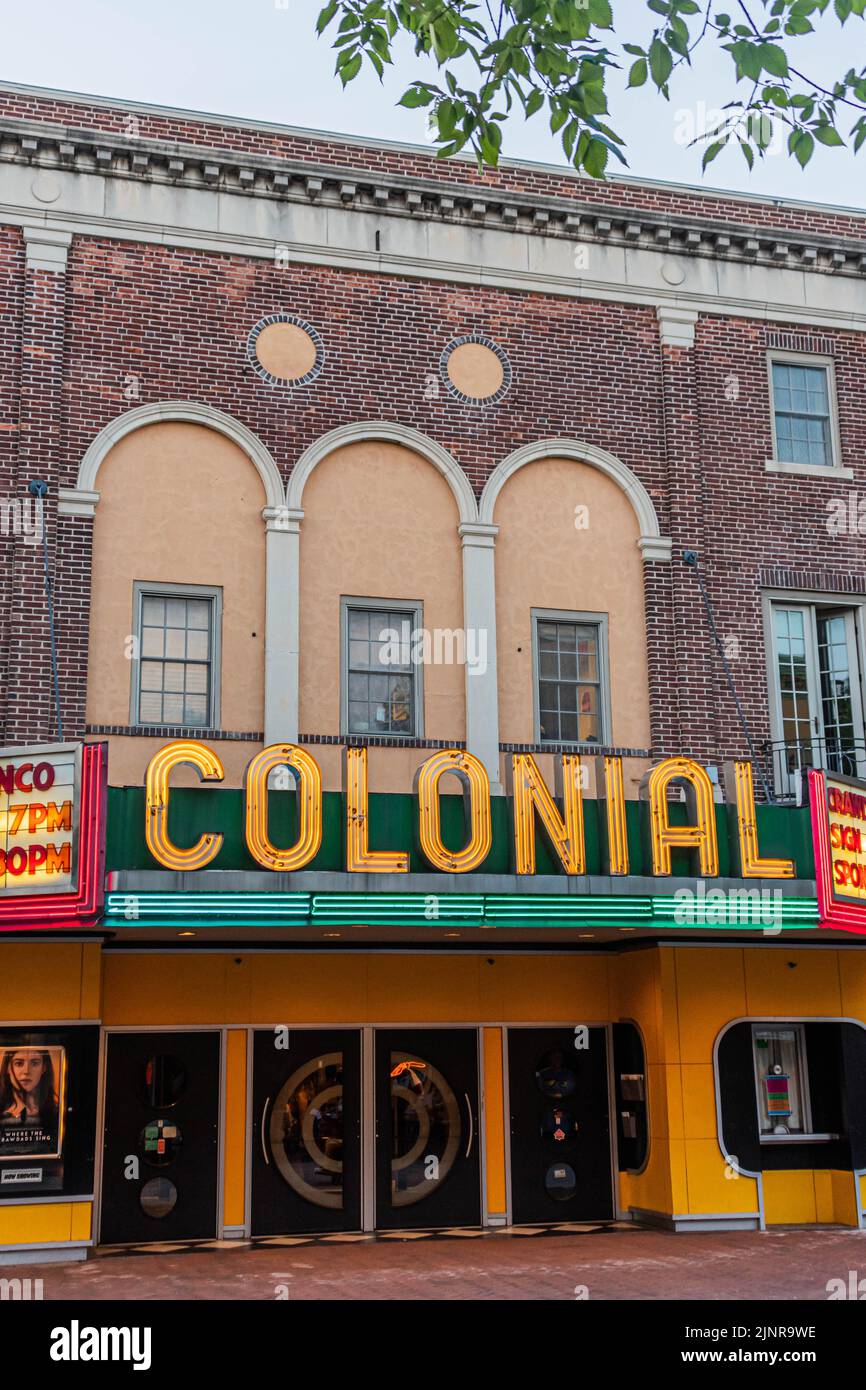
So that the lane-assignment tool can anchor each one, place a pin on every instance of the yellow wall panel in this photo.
(845, 1189)
(852, 975)
(147, 990)
(91, 981)
(699, 1102)
(711, 991)
(36, 1225)
(567, 989)
(235, 1150)
(300, 988)
(782, 981)
(670, 1024)
(635, 996)
(713, 1185)
(426, 989)
(679, 1180)
(494, 1120)
(42, 981)
(82, 1220)
(789, 1197)
(672, 1078)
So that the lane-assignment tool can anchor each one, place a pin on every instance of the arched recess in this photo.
(653, 545)
(389, 432)
(82, 499)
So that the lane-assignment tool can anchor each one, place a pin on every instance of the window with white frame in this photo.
(381, 667)
(781, 1080)
(804, 424)
(817, 676)
(176, 665)
(571, 688)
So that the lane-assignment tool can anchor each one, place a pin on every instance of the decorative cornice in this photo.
(301, 181)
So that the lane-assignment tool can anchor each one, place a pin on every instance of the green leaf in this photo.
(595, 159)
(711, 151)
(773, 59)
(637, 74)
(534, 102)
(828, 135)
(349, 69)
(660, 61)
(325, 16)
(803, 148)
(748, 153)
(416, 96)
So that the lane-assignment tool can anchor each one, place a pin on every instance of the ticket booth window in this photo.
(781, 1081)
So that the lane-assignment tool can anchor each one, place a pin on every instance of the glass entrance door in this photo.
(306, 1167)
(818, 713)
(427, 1142)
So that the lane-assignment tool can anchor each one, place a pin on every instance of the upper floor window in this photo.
(381, 669)
(817, 687)
(805, 433)
(571, 686)
(176, 671)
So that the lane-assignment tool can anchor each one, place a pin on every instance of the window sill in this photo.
(809, 470)
(799, 1138)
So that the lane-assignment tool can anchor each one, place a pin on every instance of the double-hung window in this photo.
(176, 655)
(803, 403)
(571, 683)
(382, 666)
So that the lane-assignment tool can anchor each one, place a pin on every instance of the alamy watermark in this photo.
(438, 646)
(24, 517)
(715, 907)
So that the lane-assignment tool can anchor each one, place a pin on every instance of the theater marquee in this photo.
(838, 806)
(52, 814)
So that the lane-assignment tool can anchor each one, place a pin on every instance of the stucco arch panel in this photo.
(544, 560)
(179, 504)
(379, 522)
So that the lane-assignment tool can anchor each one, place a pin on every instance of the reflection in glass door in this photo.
(306, 1173)
(427, 1143)
(818, 713)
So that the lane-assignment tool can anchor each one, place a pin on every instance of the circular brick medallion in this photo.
(285, 350)
(475, 370)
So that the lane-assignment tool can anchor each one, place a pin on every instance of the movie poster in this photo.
(32, 1101)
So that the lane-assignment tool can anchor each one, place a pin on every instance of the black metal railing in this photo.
(786, 761)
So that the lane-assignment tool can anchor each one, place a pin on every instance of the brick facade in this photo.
(130, 323)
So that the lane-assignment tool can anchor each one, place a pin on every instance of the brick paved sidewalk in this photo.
(783, 1263)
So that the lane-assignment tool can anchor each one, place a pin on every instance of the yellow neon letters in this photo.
(159, 770)
(309, 801)
(476, 784)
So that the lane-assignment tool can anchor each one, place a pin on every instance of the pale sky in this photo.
(260, 59)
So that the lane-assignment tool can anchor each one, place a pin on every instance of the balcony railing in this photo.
(786, 761)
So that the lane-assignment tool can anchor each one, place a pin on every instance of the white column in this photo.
(282, 623)
(479, 621)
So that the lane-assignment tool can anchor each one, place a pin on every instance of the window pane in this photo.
(197, 646)
(150, 708)
(175, 642)
(153, 610)
(153, 641)
(198, 613)
(196, 679)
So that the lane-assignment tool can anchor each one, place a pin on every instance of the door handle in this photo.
(262, 1131)
(471, 1125)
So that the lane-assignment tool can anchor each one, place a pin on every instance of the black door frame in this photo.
(102, 1096)
(607, 1025)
